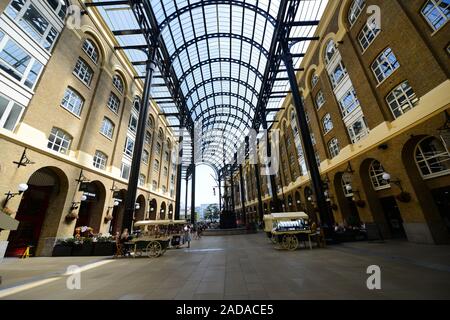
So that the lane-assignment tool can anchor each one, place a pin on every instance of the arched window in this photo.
(59, 141)
(432, 158)
(376, 172)
(346, 183)
(91, 50)
(330, 51)
(333, 147)
(355, 10)
(327, 123)
(100, 160)
(72, 101)
(320, 100)
(161, 134)
(59, 7)
(314, 80)
(107, 128)
(150, 122)
(118, 83)
(401, 99)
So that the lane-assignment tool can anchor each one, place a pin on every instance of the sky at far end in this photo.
(204, 187)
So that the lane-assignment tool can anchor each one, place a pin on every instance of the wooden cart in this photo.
(288, 229)
(156, 236)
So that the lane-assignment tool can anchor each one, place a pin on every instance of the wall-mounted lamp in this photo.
(21, 189)
(75, 205)
(137, 206)
(387, 177)
(115, 204)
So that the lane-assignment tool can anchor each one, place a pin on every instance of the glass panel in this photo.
(14, 60)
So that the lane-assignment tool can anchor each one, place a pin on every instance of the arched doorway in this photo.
(91, 210)
(162, 212)
(139, 213)
(170, 211)
(43, 201)
(345, 197)
(118, 212)
(153, 209)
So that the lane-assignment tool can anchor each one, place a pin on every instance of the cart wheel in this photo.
(154, 249)
(289, 242)
(292, 243)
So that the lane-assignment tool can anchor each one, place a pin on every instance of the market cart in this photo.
(154, 237)
(288, 229)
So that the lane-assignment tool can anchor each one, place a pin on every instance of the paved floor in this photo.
(243, 267)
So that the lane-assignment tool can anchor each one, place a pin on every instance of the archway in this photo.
(170, 211)
(91, 210)
(118, 212)
(139, 214)
(429, 170)
(162, 212)
(39, 211)
(345, 197)
(153, 209)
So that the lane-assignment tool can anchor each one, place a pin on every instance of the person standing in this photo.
(187, 236)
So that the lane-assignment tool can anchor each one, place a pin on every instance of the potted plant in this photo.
(104, 246)
(63, 247)
(82, 247)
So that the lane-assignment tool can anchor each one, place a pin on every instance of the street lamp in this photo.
(21, 189)
(387, 177)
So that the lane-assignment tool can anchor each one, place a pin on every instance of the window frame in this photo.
(100, 160)
(356, 8)
(327, 120)
(333, 148)
(383, 57)
(426, 159)
(84, 68)
(376, 176)
(90, 48)
(107, 120)
(410, 100)
(65, 137)
(436, 6)
(75, 94)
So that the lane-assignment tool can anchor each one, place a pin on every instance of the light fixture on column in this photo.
(21, 189)
(387, 177)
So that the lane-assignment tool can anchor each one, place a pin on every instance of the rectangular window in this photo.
(148, 137)
(141, 180)
(154, 185)
(349, 102)
(145, 156)
(129, 146)
(125, 171)
(10, 113)
(72, 101)
(84, 72)
(338, 74)
(18, 63)
(132, 123)
(333, 147)
(33, 22)
(358, 129)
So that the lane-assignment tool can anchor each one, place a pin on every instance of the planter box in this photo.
(82, 250)
(60, 250)
(104, 248)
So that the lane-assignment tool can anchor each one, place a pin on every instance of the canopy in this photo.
(158, 222)
(286, 216)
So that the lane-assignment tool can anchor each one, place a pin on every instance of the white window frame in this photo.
(33, 66)
(132, 128)
(355, 10)
(83, 72)
(119, 84)
(326, 120)
(125, 168)
(30, 30)
(314, 80)
(100, 160)
(129, 146)
(389, 67)
(72, 102)
(114, 103)
(354, 105)
(320, 99)
(364, 132)
(402, 92)
(368, 34)
(5, 117)
(65, 140)
(422, 157)
(107, 131)
(90, 49)
(376, 172)
(436, 8)
(333, 148)
(145, 156)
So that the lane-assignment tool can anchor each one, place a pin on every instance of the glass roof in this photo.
(218, 53)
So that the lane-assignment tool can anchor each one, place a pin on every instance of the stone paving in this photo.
(246, 267)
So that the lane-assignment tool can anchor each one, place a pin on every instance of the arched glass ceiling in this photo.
(217, 55)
